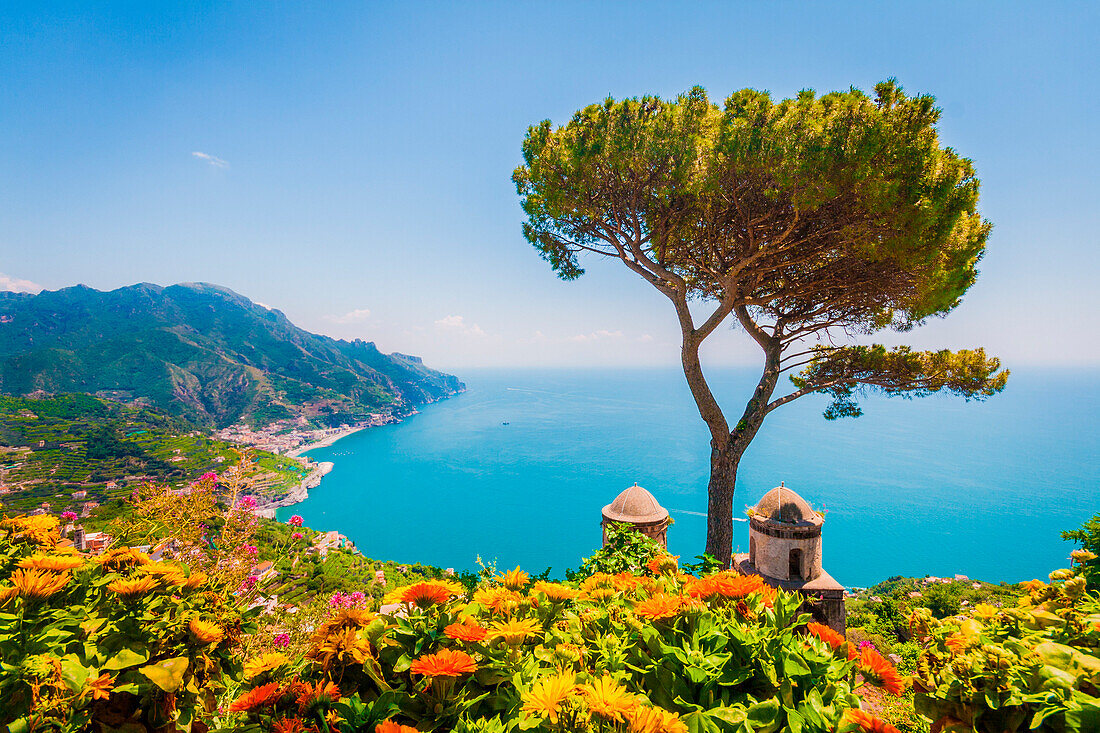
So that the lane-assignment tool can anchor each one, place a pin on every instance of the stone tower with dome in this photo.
(637, 507)
(785, 550)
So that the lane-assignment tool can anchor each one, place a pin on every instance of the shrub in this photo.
(1036, 666)
(114, 642)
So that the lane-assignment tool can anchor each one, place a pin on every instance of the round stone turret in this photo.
(637, 507)
(785, 536)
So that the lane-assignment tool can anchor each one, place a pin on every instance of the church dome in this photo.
(784, 505)
(635, 505)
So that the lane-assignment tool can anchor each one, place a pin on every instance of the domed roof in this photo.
(636, 505)
(782, 504)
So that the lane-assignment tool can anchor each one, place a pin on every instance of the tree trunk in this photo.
(725, 456)
(723, 479)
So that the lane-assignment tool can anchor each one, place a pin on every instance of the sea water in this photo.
(516, 470)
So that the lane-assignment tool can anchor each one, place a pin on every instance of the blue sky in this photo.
(356, 156)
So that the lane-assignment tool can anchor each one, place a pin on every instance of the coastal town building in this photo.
(785, 550)
(637, 507)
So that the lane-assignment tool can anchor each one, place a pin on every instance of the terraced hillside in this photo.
(53, 449)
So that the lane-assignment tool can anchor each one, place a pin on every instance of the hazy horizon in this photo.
(350, 164)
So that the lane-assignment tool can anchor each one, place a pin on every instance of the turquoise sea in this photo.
(927, 486)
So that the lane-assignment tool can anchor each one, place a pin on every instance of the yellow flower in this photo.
(169, 573)
(131, 587)
(547, 695)
(514, 631)
(514, 579)
(341, 645)
(40, 529)
(985, 611)
(555, 592)
(608, 699)
(53, 563)
(194, 580)
(263, 663)
(38, 583)
(643, 719)
(7, 592)
(205, 631)
(498, 599)
(121, 558)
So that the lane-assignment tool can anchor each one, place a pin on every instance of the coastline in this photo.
(325, 442)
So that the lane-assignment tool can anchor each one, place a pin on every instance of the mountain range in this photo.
(203, 353)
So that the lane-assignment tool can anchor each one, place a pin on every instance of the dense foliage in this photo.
(1088, 536)
(1033, 666)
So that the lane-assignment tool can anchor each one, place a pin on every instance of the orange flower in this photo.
(513, 631)
(625, 582)
(514, 579)
(287, 725)
(99, 688)
(258, 697)
(429, 593)
(321, 694)
(53, 563)
(957, 643)
(726, 585)
(827, 635)
(872, 665)
(1032, 584)
(867, 722)
(498, 599)
(131, 587)
(658, 607)
(7, 592)
(388, 726)
(444, 663)
(663, 563)
(38, 584)
(555, 592)
(468, 631)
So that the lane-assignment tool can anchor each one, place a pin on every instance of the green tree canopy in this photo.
(809, 221)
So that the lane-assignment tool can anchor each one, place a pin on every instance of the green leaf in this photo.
(126, 657)
(167, 675)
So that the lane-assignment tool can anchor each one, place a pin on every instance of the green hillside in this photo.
(201, 352)
(53, 447)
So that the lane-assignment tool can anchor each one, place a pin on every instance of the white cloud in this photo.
(457, 324)
(17, 285)
(597, 335)
(211, 159)
(359, 314)
(645, 338)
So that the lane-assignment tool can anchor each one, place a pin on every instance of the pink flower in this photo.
(295, 521)
(357, 598)
(281, 641)
(68, 516)
(250, 550)
(296, 536)
(248, 583)
(209, 476)
(247, 502)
